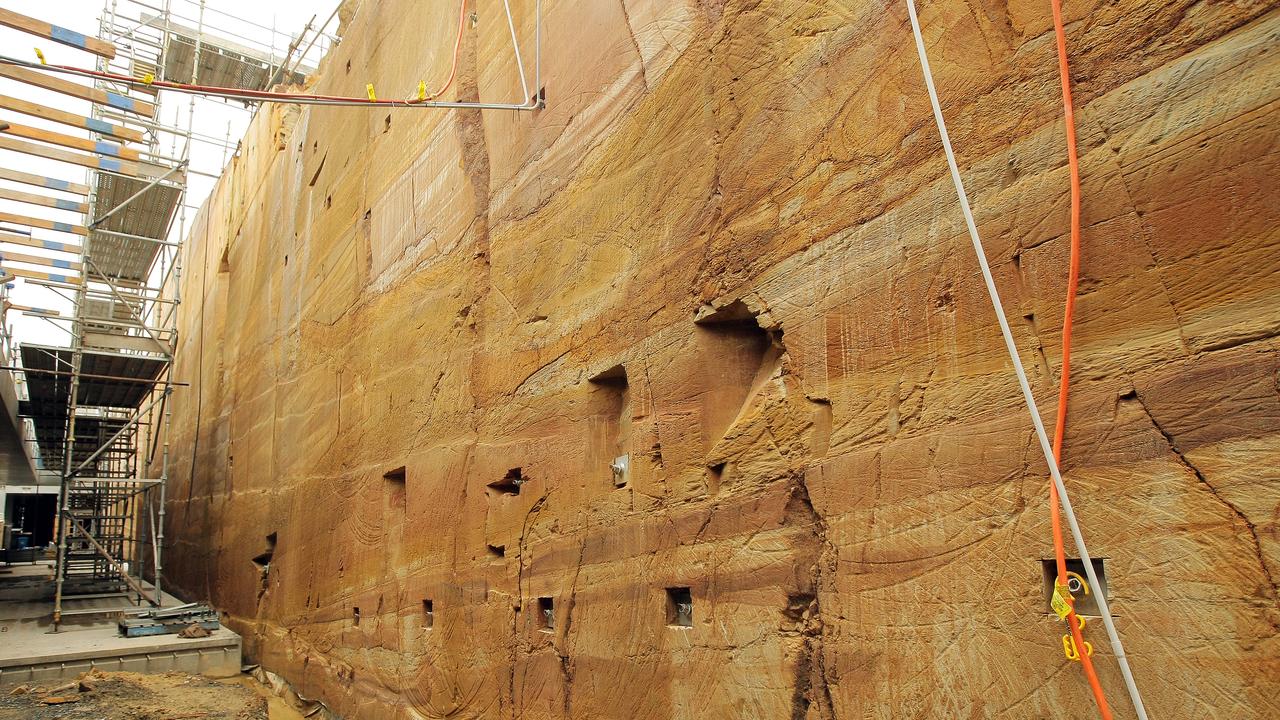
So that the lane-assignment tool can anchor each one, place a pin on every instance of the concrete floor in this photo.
(29, 652)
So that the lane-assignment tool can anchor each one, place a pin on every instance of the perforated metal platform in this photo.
(147, 216)
(223, 62)
(108, 382)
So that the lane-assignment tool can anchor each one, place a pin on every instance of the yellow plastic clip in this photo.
(422, 90)
(40, 55)
(1069, 645)
(148, 78)
(369, 89)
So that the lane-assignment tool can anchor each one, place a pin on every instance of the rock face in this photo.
(727, 259)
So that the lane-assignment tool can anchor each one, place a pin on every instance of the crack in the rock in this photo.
(805, 609)
(516, 645)
(626, 17)
(1200, 477)
(566, 665)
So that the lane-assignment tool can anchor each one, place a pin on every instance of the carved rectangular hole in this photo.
(496, 551)
(509, 484)
(428, 614)
(546, 614)
(612, 398)
(1085, 604)
(679, 607)
(355, 616)
(397, 492)
(715, 475)
(739, 355)
(263, 559)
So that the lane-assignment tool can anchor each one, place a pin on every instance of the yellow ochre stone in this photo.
(697, 361)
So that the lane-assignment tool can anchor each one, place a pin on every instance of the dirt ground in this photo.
(131, 696)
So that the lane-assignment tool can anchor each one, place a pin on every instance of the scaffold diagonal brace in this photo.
(115, 564)
(127, 426)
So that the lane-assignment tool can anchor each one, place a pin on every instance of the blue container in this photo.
(22, 542)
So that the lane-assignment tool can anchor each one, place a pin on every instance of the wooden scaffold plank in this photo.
(84, 92)
(37, 275)
(44, 201)
(116, 165)
(43, 181)
(57, 33)
(29, 310)
(78, 143)
(42, 223)
(11, 256)
(28, 241)
(78, 121)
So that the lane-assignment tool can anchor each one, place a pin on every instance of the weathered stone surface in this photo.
(728, 249)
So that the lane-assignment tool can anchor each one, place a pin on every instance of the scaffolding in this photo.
(99, 408)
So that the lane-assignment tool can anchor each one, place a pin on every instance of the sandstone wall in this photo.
(729, 250)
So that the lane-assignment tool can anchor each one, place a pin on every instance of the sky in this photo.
(247, 22)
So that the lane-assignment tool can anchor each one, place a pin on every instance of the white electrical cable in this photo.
(515, 44)
(1099, 596)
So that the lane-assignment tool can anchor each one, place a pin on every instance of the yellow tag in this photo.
(369, 88)
(40, 55)
(148, 78)
(422, 89)
(1059, 604)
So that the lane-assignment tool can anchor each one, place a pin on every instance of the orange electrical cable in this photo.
(1073, 280)
(457, 43)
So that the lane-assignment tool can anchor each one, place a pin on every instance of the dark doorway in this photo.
(34, 514)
